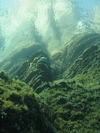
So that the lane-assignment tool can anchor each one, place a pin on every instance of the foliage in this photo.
(20, 108)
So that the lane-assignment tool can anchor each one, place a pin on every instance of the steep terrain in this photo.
(59, 94)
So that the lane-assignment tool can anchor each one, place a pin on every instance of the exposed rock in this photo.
(12, 64)
(36, 70)
(80, 55)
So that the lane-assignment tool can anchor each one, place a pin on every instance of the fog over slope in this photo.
(49, 22)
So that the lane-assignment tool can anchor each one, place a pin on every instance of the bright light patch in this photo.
(52, 22)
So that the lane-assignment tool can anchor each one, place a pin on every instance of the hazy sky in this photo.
(84, 3)
(7, 2)
(19, 20)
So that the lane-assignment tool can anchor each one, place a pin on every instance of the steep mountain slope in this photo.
(67, 86)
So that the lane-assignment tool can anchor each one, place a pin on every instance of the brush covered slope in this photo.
(75, 103)
(21, 111)
(67, 86)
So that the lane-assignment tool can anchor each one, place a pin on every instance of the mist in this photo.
(52, 23)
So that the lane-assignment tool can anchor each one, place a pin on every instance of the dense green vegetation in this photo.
(60, 94)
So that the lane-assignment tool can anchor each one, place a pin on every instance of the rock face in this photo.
(36, 70)
(13, 63)
(68, 87)
(85, 55)
(79, 56)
